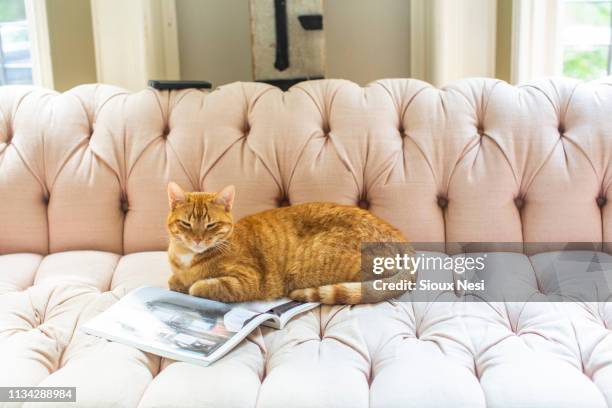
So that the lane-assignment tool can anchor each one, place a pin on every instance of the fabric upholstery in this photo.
(83, 204)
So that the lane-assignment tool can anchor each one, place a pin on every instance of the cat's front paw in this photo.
(217, 289)
(176, 285)
(203, 288)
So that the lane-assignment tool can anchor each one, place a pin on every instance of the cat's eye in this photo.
(211, 225)
(184, 224)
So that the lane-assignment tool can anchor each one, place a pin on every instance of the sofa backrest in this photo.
(479, 160)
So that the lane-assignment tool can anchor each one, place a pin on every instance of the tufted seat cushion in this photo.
(82, 207)
(425, 353)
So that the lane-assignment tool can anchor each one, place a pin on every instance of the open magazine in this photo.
(187, 328)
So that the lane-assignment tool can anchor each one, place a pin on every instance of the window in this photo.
(586, 38)
(15, 44)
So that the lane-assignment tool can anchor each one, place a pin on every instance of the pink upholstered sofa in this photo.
(83, 202)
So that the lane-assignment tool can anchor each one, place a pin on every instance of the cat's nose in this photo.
(197, 241)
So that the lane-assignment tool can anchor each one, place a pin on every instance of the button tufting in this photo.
(38, 320)
(326, 129)
(9, 134)
(480, 130)
(364, 204)
(166, 132)
(284, 202)
(561, 129)
(125, 205)
(519, 202)
(442, 202)
(45, 200)
(601, 201)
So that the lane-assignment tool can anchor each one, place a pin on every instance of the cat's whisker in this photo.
(223, 246)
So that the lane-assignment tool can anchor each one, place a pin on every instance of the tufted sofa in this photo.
(82, 208)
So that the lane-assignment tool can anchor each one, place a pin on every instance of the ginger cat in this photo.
(309, 252)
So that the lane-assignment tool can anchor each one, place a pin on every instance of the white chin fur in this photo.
(198, 250)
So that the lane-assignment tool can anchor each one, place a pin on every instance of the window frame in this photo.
(42, 68)
(537, 49)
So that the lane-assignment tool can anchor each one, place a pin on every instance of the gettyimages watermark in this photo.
(388, 265)
(490, 272)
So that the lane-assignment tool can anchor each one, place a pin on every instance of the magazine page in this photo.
(289, 310)
(242, 313)
(184, 327)
(279, 311)
(167, 323)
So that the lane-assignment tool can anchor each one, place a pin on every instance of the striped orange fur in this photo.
(309, 252)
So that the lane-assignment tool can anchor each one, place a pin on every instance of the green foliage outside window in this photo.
(587, 61)
(585, 64)
(12, 10)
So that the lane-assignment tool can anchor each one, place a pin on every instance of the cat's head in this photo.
(200, 221)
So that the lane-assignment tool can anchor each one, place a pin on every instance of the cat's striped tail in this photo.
(353, 293)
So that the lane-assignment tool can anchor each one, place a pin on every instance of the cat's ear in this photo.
(226, 196)
(176, 195)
